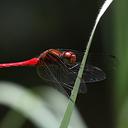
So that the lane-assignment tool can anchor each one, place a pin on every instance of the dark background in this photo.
(29, 28)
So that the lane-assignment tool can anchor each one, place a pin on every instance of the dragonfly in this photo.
(60, 66)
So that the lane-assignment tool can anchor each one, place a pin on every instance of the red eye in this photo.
(73, 58)
(69, 56)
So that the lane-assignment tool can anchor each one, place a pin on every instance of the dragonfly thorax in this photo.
(49, 56)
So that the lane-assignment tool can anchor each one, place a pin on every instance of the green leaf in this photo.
(28, 104)
(70, 107)
(43, 106)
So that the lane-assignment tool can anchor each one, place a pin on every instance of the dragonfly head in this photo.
(69, 57)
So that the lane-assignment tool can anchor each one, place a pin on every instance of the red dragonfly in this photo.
(60, 66)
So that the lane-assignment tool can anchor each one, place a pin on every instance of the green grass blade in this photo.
(70, 107)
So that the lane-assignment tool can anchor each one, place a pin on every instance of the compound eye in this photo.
(67, 55)
(73, 59)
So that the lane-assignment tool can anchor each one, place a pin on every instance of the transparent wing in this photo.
(91, 73)
(62, 77)
(65, 78)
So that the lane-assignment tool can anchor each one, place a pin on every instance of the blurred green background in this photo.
(29, 28)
